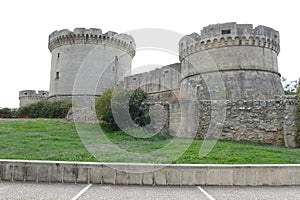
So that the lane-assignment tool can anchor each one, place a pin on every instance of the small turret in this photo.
(28, 97)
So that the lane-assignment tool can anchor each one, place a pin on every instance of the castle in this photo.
(228, 73)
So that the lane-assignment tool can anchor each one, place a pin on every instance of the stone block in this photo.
(250, 176)
(148, 178)
(1, 171)
(56, 174)
(213, 177)
(291, 140)
(239, 176)
(226, 176)
(174, 177)
(275, 177)
(31, 173)
(70, 174)
(19, 172)
(263, 176)
(160, 177)
(287, 177)
(297, 177)
(83, 175)
(95, 175)
(7, 172)
(121, 178)
(187, 177)
(108, 175)
(43, 173)
(134, 178)
(200, 177)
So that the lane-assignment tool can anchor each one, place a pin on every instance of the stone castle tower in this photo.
(28, 97)
(85, 63)
(80, 57)
(241, 58)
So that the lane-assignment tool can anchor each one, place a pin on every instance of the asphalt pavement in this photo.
(26, 190)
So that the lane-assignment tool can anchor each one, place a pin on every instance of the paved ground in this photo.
(18, 190)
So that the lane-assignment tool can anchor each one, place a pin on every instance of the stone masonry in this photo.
(227, 79)
(28, 97)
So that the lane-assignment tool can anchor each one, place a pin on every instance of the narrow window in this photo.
(227, 31)
(58, 55)
(116, 60)
(57, 75)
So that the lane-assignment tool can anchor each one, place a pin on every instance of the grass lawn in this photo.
(58, 139)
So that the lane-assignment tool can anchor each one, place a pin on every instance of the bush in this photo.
(8, 113)
(104, 111)
(137, 110)
(298, 130)
(45, 109)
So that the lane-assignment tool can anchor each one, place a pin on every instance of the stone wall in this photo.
(159, 113)
(162, 80)
(291, 120)
(28, 97)
(148, 174)
(266, 121)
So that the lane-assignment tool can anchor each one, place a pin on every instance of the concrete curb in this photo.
(149, 174)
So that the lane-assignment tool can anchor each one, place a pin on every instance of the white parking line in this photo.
(82, 192)
(205, 193)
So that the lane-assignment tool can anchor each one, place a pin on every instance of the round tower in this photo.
(243, 58)
(85, 57)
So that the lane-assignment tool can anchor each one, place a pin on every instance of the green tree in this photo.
(104, 111)
(138, 109)
(122, 100)
(290, 88)
(8, 113)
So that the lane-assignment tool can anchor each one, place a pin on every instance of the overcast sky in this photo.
(25, 26)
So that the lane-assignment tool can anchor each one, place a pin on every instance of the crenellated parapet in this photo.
(229, 34)
(28, 97)
(155, 81)
(33, 93)
(91, 36)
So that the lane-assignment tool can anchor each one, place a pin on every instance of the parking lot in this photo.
(20, 190)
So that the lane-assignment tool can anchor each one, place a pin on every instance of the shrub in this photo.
(8, 113)
(45, 109)
(104, 111)
(137, 109)
(298, 129)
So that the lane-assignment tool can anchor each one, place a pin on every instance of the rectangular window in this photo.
(57, 75)
(227, 31)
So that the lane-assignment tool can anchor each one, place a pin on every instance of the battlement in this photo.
(161, 79)
(91, 36)
(28, 97)
(229, 34)
(33, 93)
